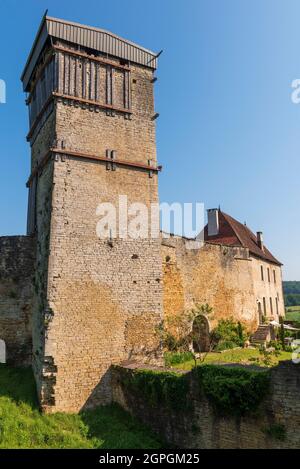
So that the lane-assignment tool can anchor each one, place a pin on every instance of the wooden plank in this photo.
(39, 167)
(37, 118)
(39, 72)
(91, 57)
(108, 86)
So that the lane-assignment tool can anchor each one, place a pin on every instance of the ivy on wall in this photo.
(160, 388)
(231, 391)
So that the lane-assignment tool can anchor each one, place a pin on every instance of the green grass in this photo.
(23, 426)
(242, 356)
(293, 313)
(293, 308)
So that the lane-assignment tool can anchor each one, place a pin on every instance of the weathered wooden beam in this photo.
(105, 159)
(39, 167)
(83, 155)
(91, 57)
(38, 117)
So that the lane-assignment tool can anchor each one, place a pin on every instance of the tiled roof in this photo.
(234, 233)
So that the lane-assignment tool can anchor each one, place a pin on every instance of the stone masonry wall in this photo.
(97, 302)
(216, 275)
(203, 428)
(226, 278)
(40, 315)
(17, 265)
(268, 287)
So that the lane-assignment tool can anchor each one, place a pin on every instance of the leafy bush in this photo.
(232, 391)
(229, 334)
(275, 344)
(225, 345)
(170, 342)
(175, 358)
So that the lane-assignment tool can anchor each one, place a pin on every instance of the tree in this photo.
(177, 333)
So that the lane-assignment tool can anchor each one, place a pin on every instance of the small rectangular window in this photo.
(269, 278)
(274, 275)
(271, 305)
(262, 272)
(265, 307)
(277, 307)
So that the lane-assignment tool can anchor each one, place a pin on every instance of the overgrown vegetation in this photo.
(180, 335)
(22, 425)
(276, 431)
(176, 358)
(176, 331)
(160, 388)
(233, 391)
(229, 334)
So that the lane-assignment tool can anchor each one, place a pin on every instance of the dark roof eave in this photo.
(33, 46)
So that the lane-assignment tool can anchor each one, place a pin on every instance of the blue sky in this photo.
(228, 132)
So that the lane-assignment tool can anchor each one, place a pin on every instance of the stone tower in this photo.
(92, 135)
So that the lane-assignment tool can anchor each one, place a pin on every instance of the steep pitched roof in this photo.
(234, 233)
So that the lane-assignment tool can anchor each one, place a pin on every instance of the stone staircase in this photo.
(262, 335)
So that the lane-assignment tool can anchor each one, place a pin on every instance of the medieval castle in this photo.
(71, 304)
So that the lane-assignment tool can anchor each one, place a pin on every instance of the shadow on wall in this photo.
(101, 394)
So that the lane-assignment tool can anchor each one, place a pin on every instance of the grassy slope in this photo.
(22, 426)
(243, 356)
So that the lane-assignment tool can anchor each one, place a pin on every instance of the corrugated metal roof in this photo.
(86, 36)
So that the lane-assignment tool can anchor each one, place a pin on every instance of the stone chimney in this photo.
(213, 221)
(260, 240)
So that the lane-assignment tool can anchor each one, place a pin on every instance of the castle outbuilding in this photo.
(73, 304)
(233, 272)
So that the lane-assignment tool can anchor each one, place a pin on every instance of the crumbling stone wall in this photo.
(203, 428)
(17, 265)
